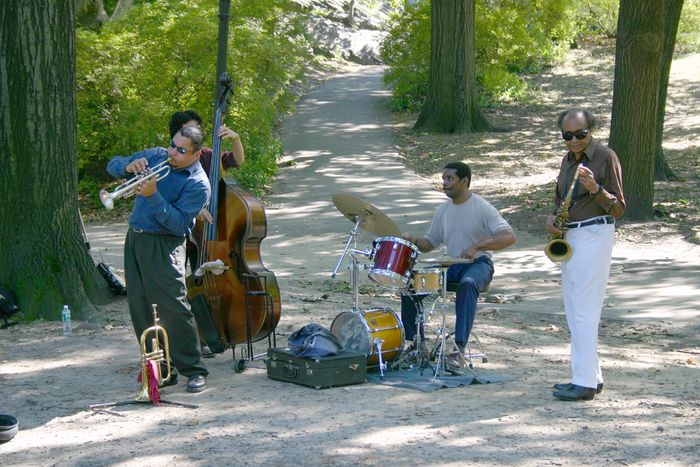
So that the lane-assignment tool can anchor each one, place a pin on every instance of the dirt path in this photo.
(341, 140)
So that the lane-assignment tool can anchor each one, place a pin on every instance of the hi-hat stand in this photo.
(441, 367)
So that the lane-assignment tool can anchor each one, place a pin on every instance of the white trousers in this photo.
(584, 280)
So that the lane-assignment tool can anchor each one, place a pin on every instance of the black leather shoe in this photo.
(206, 352)
(560, 386)
(575, 393)
(196, 383)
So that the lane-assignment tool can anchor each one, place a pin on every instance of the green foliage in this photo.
(512, 37)
(407, 52)
(598, 17)
(688, 38)
(134, 73)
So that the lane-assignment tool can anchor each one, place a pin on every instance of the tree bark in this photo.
(44, 260)
(635, 100)
(452, 103)
(672, 16)
(122, 9)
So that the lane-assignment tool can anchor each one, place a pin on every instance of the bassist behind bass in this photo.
(235, 299)
(229, 159)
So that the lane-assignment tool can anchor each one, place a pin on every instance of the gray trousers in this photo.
(155, 274)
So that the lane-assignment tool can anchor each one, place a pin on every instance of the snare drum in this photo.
(427, 281)
(393, 261)
(358, 331)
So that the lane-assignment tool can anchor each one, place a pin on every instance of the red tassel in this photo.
(153, 392)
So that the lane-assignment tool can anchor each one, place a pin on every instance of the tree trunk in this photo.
(452, 104)
(90, 13)
(44, 260)
(635, 100)
(672, 16)
(350, 8)
(122, 9)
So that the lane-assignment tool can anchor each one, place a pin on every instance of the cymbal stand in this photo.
(443, 335)
(355, 266)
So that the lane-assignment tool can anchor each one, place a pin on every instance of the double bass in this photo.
(234, 297)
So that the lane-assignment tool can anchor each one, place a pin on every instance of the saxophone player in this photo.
(596, 201)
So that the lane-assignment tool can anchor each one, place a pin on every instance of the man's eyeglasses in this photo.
(579, 134)
(182, 150)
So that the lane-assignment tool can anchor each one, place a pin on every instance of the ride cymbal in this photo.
(373, 220)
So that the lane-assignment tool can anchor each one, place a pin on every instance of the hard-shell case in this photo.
(326, 372)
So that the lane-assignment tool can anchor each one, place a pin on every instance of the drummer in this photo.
(468, 227)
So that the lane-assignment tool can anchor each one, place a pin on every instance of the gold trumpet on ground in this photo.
(558, 249)
(128, 188)
(156, 356)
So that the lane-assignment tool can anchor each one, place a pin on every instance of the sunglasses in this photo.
(579, 134)
(182, 150)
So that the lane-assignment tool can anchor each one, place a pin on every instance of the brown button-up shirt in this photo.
(605, 165)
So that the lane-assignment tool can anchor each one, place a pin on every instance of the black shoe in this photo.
(196, 383)
(560, 386)
(575, 393)
(206, 352)
(171, 382)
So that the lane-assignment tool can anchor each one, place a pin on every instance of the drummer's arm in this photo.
(501, 240)
(421, 242)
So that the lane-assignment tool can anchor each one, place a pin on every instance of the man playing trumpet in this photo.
(154, 250)
(595, 201)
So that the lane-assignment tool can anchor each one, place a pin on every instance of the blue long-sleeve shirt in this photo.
(179, 198)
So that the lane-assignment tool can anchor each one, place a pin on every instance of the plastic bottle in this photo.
(65, 317)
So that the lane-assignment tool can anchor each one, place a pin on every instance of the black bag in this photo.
(116, 284)
(314, 341)
(7, 307)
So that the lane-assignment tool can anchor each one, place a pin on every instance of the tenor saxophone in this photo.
(558, 249)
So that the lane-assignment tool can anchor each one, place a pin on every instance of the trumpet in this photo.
(128, 188)
(557, 249)
(151, 372)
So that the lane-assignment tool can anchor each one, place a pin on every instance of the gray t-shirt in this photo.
(461, 225)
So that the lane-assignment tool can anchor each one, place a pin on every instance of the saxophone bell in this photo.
(557, 249)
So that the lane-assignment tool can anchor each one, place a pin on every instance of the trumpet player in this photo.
(596, 200)
(154, 250)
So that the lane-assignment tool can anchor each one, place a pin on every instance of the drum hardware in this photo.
(377, 332)
(355, 266)
(378, 345)
(416, 353)
(443, 335)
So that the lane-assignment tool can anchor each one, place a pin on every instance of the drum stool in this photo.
(479, 351)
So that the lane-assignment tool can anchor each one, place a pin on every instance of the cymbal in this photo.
(373, 220)
(445, 261)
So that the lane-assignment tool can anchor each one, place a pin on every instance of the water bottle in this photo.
(65, 317)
